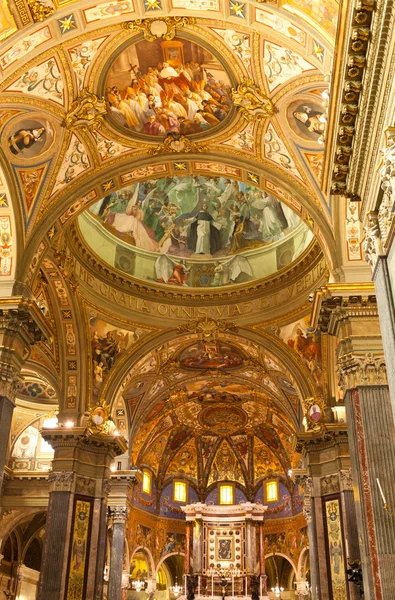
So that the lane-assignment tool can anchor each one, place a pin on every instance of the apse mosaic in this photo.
(173, 86)
(194, 231)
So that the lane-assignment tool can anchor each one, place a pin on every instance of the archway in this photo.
(281, 573)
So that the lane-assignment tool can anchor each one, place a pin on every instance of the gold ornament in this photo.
(86, 112)
(40, 11)
(252, 102)
(159, 28)
(99, 420)
(314, 413)
(177, 143)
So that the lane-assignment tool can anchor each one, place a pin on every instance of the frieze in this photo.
(85, 486)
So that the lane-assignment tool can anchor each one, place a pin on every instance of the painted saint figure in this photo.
(25, 138)
(204, 237)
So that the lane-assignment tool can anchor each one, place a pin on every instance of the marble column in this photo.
(75, 536)
(350, 313)
(197, 545)
(21, 325)
(118, 516)
(250, 546)
(187, 562)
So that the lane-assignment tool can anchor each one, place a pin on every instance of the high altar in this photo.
(224, 550)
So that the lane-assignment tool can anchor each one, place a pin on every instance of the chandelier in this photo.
(277, 590)
(176, 589)
(138, 585)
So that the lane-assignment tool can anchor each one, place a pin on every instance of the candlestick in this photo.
(381, 491)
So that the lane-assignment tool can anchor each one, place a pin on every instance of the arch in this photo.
(302, 563)
(289, 359)
(288, 558)
(163, 558)
(148, 554)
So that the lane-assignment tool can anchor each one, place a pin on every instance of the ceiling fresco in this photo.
(195, 231)
(170, 86)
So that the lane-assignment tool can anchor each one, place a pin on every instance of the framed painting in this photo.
(225, 549)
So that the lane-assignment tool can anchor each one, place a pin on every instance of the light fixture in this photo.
(138, 585)
(69, 424)
(277, 590)
(322, 118)
(325, 94)
(176, 589)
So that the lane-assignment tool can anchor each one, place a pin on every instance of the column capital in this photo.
(22, 324)
(346, 480)
(372, 244)
(361, 369)
(386, 213)
(119, 514)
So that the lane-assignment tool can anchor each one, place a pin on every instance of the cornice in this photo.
(82, 253)
(346, 91)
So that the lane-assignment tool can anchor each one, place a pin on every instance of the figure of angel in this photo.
(227, 272)
(170, 271)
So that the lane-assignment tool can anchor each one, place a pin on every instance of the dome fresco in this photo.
(168, 86)
(194, 231)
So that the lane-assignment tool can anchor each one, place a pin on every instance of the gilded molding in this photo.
(208, 327)
(86, 112)
(160, 27)
(178, 144)
(252, 102)
(40, 10)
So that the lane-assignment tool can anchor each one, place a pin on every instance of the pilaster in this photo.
(351, 314)
(22, 324)
(75, 539)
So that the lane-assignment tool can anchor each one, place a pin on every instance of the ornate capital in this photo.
(252, 102)
(22, 324)
(159, 28)
(354, 370)
(345, 480)
(86, 112)
(61, 481)
(176, 143)
(119, 514)
(372, 244)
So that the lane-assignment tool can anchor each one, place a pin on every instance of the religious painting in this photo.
(197, 231)
(211, 355)
(173, 86)
(306, 119)
(223, 419)
(315, 413)
(108, 344)
(226, 466)
(306, 341)
(30, 138)
(335, 548)
(225, 549)
(79, 550)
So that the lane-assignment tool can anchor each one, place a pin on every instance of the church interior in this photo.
(197, 283)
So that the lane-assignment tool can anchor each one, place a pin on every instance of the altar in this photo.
(224, 551)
